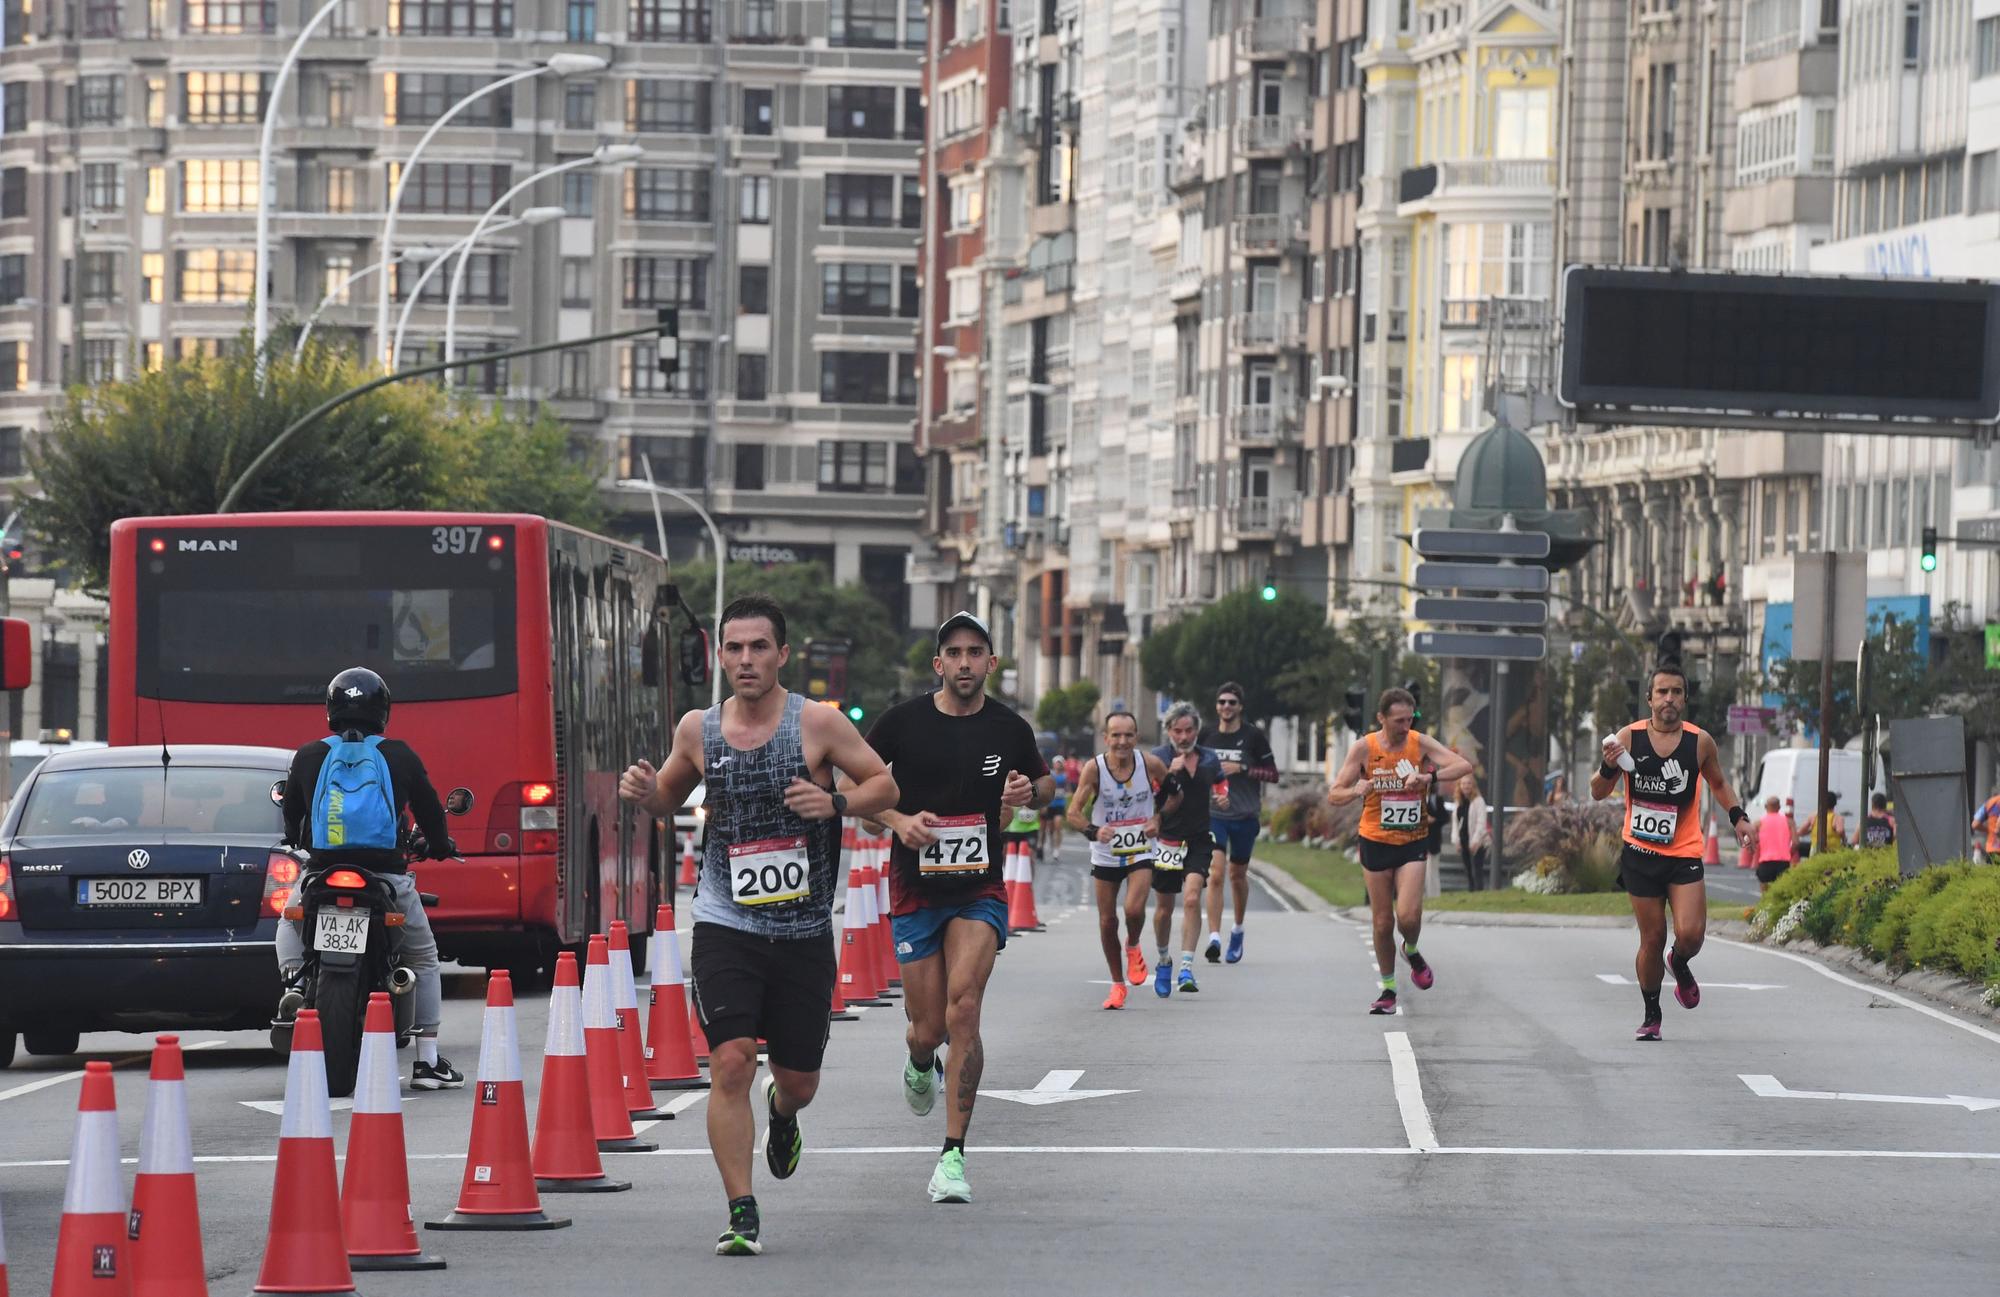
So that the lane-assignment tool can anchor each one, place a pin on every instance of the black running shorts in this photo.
(1769, 870)
(1200, 855)
(779, 989)
(1380, 857)
(1648, 874)
(1117, 873)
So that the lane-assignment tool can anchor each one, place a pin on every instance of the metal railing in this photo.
(1269, 134)
(1267, 513)
(1266, 330)
(1264, 422)
(1272, 34)
(1268, 232)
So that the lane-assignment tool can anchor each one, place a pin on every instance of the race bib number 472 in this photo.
(769, 872)
(960, 847)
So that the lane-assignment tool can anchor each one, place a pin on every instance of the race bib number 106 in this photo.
(1654, 823)
(769, 872)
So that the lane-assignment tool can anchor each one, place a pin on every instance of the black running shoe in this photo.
(782, 1141)
(440, 1075)
(740, 1239)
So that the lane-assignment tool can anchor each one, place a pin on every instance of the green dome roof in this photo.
(1501, 471)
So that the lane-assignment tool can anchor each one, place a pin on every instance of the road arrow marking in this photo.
(1769, 1087)
(1053, 1088)
(276, 1107)
(1619, 979)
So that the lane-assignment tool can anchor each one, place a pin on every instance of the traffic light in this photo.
(1352, 715)
(1670, 648)
(668, 342)
(1929, 560)
(855, 711)
(1270, 590)
(1416, 692)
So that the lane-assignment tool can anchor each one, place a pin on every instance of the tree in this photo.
(1068, 709)
(815, 608)
(174, 441)
(1902, 683)
(1159, 658)
(1242, 637)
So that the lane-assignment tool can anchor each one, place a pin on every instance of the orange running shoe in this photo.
(1136, 971)
(1115, 1000)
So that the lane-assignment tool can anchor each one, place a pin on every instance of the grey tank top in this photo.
(746, 805)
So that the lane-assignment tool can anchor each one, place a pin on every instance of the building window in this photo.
(866, 23)
(1985, 195)
(103, 186)
(102, 100)
(216, 275)
(1515, 259)
(757, 110)
(336, 278)
(1913, 33)
(101, 274)
(753, 383)
(861, 112)
(759, 21)
(14, 107)
(670, 20)
(339, 196)
(186, 349)
(904, 366)
(579, 193)
(910, 293)
(580, 105)
(156, 191)
(675, 461)
(860, 200)
(853, 378)
(13, 278)
(912, 191)
(13, 192)
(1986, 52)
(961, 107)
(153, 276)
(219, 185)
(222, 98)
(156, 102)
(462, 188)
(582, 25)
(854, 466)
(229, 17)
(1520, 123)
(968, 202)
(13, 366)
(666, 194)
(100, 360)
(578, 278)
(670, 107)
(451, 17)
(753, 290)
(12, 462)
(753, 205)
(573, 376)
(639, 372)
(340, 101)
(153, 357)
(857, 289)
(487, 277)
(101, 17)
(665, 281)
(420, 98)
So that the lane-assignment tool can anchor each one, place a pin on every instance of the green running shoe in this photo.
(782, 1141)
(920, 1087)
(740, 1239)
(948, 1181)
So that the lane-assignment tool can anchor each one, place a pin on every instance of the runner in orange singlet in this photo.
(1661, 862)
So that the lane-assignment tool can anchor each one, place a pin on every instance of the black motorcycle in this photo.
(352, 930)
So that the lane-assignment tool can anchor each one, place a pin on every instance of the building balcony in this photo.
(1270, 137)
(1273, 37)
(1266, 331)
(1472, 180)
(1409, 455)
(1269, 234)
(1186, 284)
(1462, 312)
(1265, 517)
(1185, 175)
(1265, 425)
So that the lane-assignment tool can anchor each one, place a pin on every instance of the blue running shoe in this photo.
(1187, 980)
(1163, 980)
(1235, 955)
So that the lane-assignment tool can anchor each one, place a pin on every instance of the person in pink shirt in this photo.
(1775, 835)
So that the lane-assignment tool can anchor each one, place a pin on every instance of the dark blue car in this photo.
(141, 890)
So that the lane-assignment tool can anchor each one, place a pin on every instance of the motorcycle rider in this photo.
(357, 706)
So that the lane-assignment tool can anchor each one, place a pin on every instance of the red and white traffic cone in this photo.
(881, 946)
(164, 1232)
(1711, 851)
(670, 1061)
(91, 1258)
(1028, 891)
(305, 1250)
(1017, 910)
(886, 908)
(375, 1210)
(857, 960)
(498, 1190)
(609, 1116)
(631, 1051)
(690, 871)
(565, 1153)
(3, 1258)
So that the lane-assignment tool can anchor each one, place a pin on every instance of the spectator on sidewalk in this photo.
(1988, 851)
(1776, 835)
(1473, 830)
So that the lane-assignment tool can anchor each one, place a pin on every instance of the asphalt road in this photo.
(1504, 1134)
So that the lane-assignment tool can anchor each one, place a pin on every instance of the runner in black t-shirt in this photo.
(964, 758)
(1184, 851)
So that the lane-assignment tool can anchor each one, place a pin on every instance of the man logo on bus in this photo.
(207, 546)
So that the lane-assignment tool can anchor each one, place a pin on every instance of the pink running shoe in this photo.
(1687, 992)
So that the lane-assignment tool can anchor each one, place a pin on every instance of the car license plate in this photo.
(138, 891)
(341, 932)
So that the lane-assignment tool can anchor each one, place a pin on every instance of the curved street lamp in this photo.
(714, 539)
(414, 254)
(532, 217)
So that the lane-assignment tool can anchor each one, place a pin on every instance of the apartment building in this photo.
(777, 205)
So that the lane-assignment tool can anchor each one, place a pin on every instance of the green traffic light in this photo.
(854, 713)
(1270, 593)
(1929, 562)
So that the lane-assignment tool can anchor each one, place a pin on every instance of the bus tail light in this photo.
(532, 809)
(280, 873)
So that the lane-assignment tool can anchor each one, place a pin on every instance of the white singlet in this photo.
(1120, 813)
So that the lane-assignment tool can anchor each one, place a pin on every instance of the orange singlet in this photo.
(1388, 814)
(1661, 792)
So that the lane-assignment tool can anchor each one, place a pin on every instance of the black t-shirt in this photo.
(1189, 820)
(414, 794)
(952, 766)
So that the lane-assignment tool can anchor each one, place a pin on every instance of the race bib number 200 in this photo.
(960, 847)
(769, 872)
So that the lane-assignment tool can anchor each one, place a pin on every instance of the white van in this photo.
(1793, 774)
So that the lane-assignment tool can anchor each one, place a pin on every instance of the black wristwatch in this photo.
(839, 805)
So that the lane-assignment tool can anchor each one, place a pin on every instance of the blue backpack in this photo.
(354, 803)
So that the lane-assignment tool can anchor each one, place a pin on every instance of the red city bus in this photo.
(527, 663)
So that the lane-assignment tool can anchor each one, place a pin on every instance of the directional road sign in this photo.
(1482, 576)
(1479, 644)
(1467, 542)
(1482, 612)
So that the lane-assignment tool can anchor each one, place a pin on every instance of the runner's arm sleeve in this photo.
(1263, 763)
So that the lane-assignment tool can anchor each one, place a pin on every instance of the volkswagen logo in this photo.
(139, 858)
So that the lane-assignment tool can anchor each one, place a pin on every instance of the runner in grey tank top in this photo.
(747, 815)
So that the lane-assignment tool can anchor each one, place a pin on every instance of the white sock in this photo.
(427, 1050)
(1215, 937)
(1235, 930)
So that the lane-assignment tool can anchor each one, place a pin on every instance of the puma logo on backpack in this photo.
(354, 802)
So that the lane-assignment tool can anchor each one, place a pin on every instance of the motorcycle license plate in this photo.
(341, 932)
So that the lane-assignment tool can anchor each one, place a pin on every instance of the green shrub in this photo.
(1956, 926)
(1803, 881)
(1879, 885)
(1887, 939)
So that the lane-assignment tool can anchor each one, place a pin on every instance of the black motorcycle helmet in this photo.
(357, 699)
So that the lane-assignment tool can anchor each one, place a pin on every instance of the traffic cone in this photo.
(565, 1153)
(697, 1042)
(1711, 851)
(164, 1230)
(91, 1259)
(857, 960)
(670, 1061)
(304, 1251)
(836, 1011)
(881, 945)
(1017, 904)
(498, 1191)
(610, 1119)
(375, 1210)
(1028, 890)
(893, 983)
(3, 1258)
(631, 1052)
(690, 872)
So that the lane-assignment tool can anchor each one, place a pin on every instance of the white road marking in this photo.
(1619, 979)
(1900, 1000)
(1057, 1087)
(679, 1104)
(138, 1057)
(1769, 1087)
(1410, 1093)
(276, 1107)
(1284, 902)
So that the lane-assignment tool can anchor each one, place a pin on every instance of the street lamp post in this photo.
(414, 254)
(714, 539)
(606, 155)
(562, 65)
(532, 217)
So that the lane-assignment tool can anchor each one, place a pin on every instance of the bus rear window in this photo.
(274, 619)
